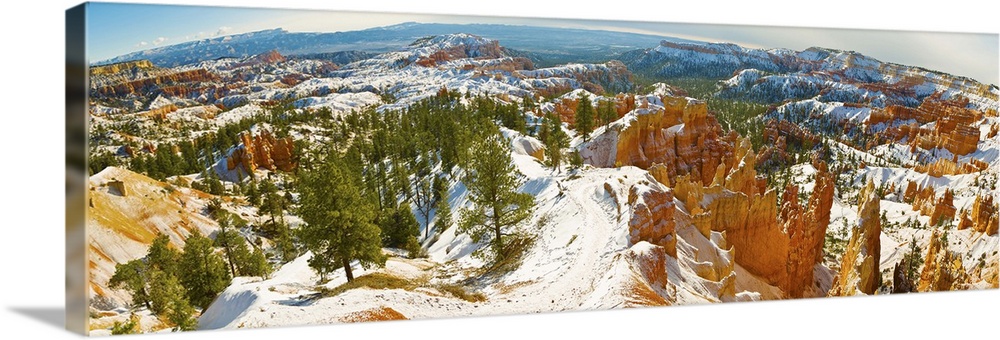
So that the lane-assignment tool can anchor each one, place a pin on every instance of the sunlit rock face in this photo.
(859, 269)
(262, 151)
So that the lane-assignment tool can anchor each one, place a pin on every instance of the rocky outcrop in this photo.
(901, 282)
(982, 218)
(924, 200)
(607, 78)
(682, 137)
(160, 113)
(649, 261)
(859, 268)
(262, 151)
(150, 84)
(566, 109)
(775, 128)
(945, 167)
(780, 243)
(459, 46)
(943, 269)
(953, 130)
(120, 67)
(653, 217)
(806, 227)
(270, 57)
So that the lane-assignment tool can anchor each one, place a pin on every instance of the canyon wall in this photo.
(859, 268)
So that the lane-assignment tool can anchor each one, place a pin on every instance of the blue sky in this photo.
(116, 29)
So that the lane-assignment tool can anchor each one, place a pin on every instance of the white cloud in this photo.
(223, 30)
(141, 44)
(159, 40)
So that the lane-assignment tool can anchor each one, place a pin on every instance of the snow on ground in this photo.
(340, 102)
(576, 263)
(121, 225)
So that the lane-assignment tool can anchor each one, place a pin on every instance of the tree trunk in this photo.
(496, 231)
(229, 256)
(347, 270)
(146, 302)
(427, 224)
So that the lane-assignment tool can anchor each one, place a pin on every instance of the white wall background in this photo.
(32, 121)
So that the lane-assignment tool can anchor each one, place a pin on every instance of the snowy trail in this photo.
(573, 254)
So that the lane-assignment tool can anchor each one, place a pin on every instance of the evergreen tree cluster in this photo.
(171, 283)
(384, 174)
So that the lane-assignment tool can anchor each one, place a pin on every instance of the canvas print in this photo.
(261, 167)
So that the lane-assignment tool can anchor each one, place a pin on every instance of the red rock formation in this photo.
(657, 137)
(147, 85)
(270, 57)
(485, 50)
(944, 167)
(942, 270)
(160, 113)
(911, 191)
(983, 217)
(859, 269)
(624, 103)
(714, 177)
(653, 217)
(508, 64)
(120, 67)
(774, 129)
(781, 247)
(263, 151)
(924, 201)
(566, 109)
(650, 263)
(953, 130)
(808, 236)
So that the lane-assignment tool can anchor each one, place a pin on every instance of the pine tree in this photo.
(913, 261)
(129, 327)
(492, 181)
(339, 224)
(258, 264)
(423, 189)
(168, 295)
(443, 215)
(234, 246)
(584, 117)
(164, 290)
(204, 275)
(133, 277)
(271, 201)
(609, 113)
(555, 139)
(253, 195)
(398, 225)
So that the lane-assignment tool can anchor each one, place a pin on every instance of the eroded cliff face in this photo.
(954, 126)
(714, 177)
(482, 48)
(653, 217)
(859, 268)
(120, 67)
(151, 84)
(939, 209)
(775, 128)
(943, 269)
(779, 241)
(262, 151)
(806, 227)
(982, 217)
(682, 137)
(944, 167)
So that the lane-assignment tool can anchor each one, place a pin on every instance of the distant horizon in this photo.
(116, 29)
